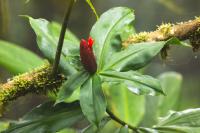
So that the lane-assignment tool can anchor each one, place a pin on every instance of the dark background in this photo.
(149, 14)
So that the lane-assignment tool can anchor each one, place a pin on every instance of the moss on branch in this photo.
(38, 81)
(185, 30)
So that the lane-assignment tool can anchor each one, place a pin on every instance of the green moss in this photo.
(38, 80)
(136, 38)
(165, 29)
(198, 19)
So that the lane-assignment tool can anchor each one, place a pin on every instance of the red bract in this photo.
(87, 56)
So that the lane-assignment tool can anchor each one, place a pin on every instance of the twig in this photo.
(61, 38)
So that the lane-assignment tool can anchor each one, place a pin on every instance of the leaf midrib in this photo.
(118, 77)
(102, 50)
(123, 58)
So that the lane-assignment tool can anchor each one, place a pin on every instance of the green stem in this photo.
(93, 9)
(115, 118)
(61, 38)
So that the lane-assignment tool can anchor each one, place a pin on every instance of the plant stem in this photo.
(115, 118)
(61, 38)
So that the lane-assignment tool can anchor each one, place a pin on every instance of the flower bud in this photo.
(87, 56)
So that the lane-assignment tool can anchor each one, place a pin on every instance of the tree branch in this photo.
(183, 31)
(37, 81)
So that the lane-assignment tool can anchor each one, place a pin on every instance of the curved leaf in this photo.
(47, 38)
(107, 28)
(135, 56)
(92, 100)
(189, 117)
(17, 59)
(135, 82)
(187, 121)
(48, 118)
(124, 104)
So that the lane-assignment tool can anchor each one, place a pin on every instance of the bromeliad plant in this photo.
(104, 77)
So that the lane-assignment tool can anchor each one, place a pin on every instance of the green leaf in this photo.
(135, 56)
(93, 129)
(67, 131)
(48, 118)
(123, 130)
(151, 111)
(93, 9)
(146, 130)
(176, 41)
(187, 121)
(171, 83)
(92, 100)
(73, 83)
(177, 129)
(17, 59)
(135, 82)
(47, 38)
(189, 117)
(171, 129)
(124, 104)
(107, 28)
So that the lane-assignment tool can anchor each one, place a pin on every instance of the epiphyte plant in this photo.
(113, 65)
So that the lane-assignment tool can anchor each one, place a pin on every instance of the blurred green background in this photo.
(149, 14)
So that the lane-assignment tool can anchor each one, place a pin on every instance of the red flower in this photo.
(87, 56)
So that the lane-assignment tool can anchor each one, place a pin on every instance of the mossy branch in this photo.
(37, 81)
(189, 30)
(40, 80)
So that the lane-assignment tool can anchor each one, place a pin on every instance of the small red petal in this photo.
(90, 42)
(83, 42)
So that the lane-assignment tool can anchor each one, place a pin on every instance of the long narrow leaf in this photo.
(187, 121)
(92, 100)
(136, 82)
(48, 118)
(73, 83)
(135, 56)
